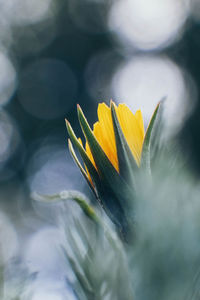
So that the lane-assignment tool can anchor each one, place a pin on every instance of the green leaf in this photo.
(71, 149)
(145, 157)
(81, 278)
(127, 163)
(91, 169)
(157, 133)
(75, 196)
(83, 203)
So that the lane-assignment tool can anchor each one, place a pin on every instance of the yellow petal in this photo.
(104, 133)
(89, 153)
(133, 129)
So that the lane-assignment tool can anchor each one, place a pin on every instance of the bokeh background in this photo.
(55, 54)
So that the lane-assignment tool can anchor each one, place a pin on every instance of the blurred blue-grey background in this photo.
(55, 54)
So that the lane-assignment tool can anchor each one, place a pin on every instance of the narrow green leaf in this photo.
(77, 197)
(91, 169)
(86, 208)
(157, 133)
(71, 149)
(127, 163)
(145, 157)
(81, 277)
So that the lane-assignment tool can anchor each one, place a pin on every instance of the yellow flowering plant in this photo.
(114, 151)
(144, 186)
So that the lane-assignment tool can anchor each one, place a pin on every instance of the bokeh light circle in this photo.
(41, 295)
(148, 24)
(8, 239)
(7, 79)
(35, 257)
(46, 260)
(30, 11)
(52, 170)
(195, 10)
(9, 137)
(143, 81)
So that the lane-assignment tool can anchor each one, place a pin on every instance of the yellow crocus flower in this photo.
(132, 126)
(114, 149)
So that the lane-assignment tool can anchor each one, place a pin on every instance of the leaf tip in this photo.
(69, 129)
(111, 102)
(79, 110)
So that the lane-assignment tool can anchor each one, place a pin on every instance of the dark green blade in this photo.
(157, 137)
(145, 157)
(91, 169)
(127, 163)
(71, 149)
